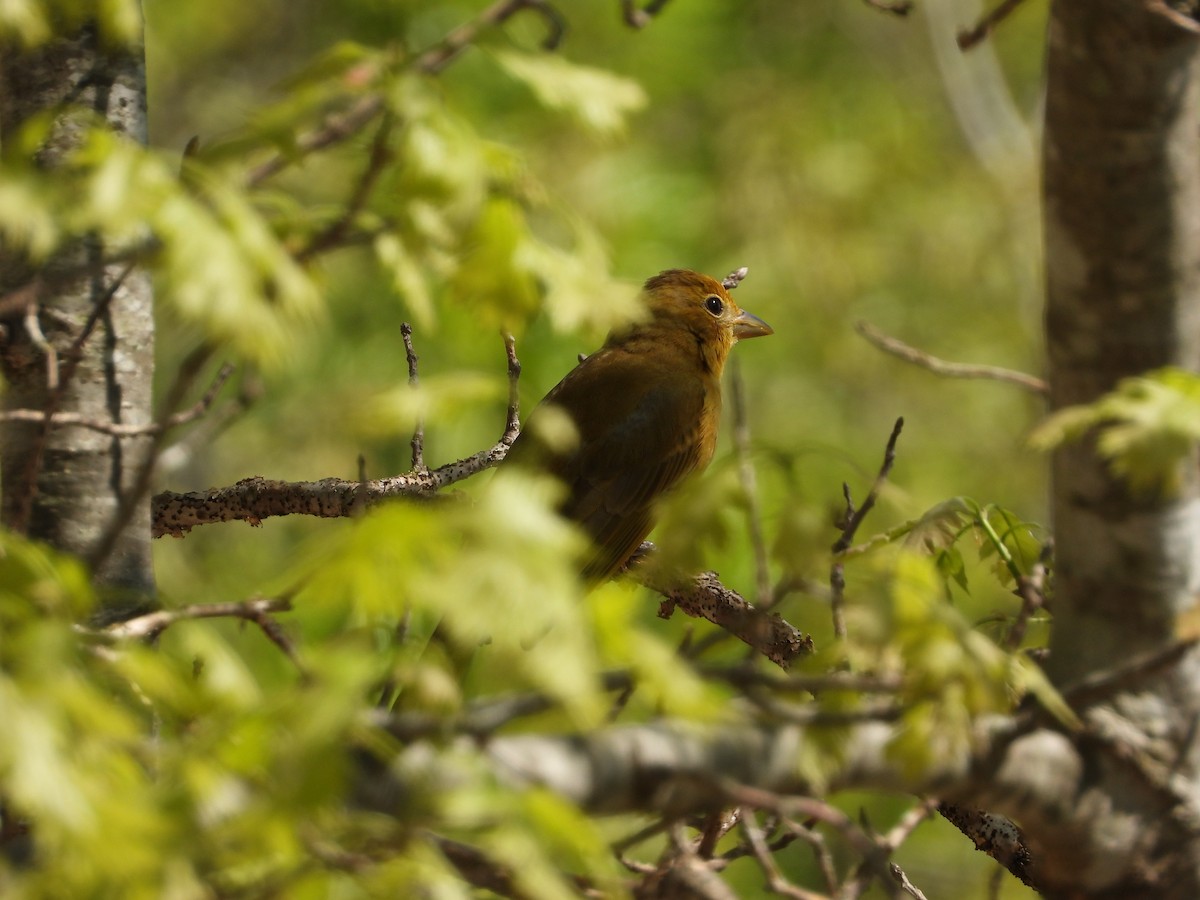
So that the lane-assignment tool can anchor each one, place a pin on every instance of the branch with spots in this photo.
(254, 499)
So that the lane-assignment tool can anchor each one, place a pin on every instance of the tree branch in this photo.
(969, 37)
(254, 499)
(896, 347)
(705, 597)
(853, 519)
(118, 429)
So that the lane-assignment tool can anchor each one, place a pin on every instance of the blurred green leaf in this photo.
(1147, 428)
(596, 98)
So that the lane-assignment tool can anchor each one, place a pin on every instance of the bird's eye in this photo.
(713, 304)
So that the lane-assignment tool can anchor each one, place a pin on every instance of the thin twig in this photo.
(854, 518)
(896, 347)
(434, 61)
(211, 425)
(969, 37)
(512, 418)
(820, 849)
(704, 596)
(334, 234)
(734, 278)
(776, 883)
(136, 491)
(257, 610)
(636, 17)
(1031, 589)
(255, 499)
(414, 380)
(1098, 685)
(33, 328)
(342, 125)
(29, 478)
(895, 7)
(905, 883)
(717, 824)
(335, 129)
(745, 676)
(749, 480)
(117, 429)
(857, 884)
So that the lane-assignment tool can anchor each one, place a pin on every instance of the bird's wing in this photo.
(641, 430)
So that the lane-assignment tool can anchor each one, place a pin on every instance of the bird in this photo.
(645, 409)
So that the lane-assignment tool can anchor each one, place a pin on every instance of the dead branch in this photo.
(911, 354)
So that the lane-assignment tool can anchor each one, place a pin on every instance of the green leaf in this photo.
(1147, 428)
(598, 99)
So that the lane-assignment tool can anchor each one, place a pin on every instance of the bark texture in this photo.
(1122, 231)
(69, 485)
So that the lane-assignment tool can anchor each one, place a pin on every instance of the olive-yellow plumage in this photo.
(646, 408)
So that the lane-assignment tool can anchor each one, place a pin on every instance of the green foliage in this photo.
(1011, 545)
(595, 98)
(243, 781)
(1147, 428)
(952, 673)
(219, 265)
(807, 141)
(33, 22)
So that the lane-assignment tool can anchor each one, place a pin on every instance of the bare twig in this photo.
(749, 480)
(512, 420)
(857, 884)
(257, 610)
(132, 497)
(895, 7)
(117, 429)
(969, 37)
(1099, 685)
(854, 518)
(33, 328)
(344, 124)
(254, 499)
(434, 61)
(1031, 589)
(705, 597)
(905, 883)
(414, 379)
(333, 236)
(213, 423)
(734, 278)
(717, 824)
(29, 478)
(476, 867)
(745, 676)
(776, 882)
(335, 129)
(482, 717)
(896, 347)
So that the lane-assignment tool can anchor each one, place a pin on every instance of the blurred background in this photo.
(857, 162)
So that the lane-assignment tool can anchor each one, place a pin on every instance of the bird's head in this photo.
(693, 304)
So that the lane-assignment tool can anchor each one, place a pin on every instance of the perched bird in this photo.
(645, 408)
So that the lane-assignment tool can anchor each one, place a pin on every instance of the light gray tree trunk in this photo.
(67, 485)
(1122, 231)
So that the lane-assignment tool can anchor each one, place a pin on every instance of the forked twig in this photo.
(853, 519)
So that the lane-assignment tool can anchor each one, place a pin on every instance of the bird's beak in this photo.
(747, 325)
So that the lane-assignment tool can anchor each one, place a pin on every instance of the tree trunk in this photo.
(67, 485)
(1122, 231)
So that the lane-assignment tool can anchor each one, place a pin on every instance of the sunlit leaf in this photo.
(1147, 428)
(596, 98)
